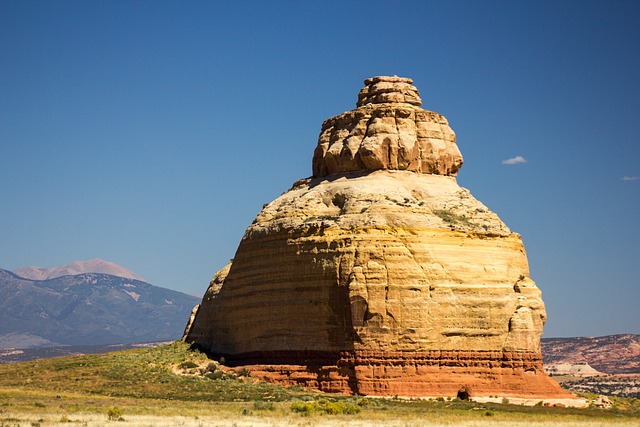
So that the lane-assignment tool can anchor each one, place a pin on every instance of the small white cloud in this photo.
(514, 160)
(631, 178)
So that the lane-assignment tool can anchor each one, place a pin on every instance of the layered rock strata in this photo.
(388, 130)
(379, 275)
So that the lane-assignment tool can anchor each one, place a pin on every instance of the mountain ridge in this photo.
(94, 265)
(88, 309)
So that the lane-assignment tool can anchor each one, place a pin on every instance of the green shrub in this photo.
(263, 406)
(217, 375)
(115, 414)
(347, 408)
(363, 402)
(244, 372)
(451, 217)
(188, 364)
(305, 408)
(334, 408)
(324, 406)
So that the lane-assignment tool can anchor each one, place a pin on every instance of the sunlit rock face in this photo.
(388, 130)
(379, 275)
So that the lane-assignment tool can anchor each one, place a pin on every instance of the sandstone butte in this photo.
(379, 275)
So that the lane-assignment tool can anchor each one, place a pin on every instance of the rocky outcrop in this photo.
(379, 275)
(575, 369)
(388, 130)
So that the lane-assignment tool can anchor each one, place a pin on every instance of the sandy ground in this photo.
(88, 420)
(577, 402)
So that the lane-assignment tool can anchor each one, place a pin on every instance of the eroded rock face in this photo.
(380, 280)
(388, 130)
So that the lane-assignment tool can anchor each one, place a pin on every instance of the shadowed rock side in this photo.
(380, 282)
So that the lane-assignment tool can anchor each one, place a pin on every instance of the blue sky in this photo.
(150, 133)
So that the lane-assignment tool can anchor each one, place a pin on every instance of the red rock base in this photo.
(407, 374)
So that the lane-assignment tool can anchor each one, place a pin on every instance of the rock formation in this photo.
(388, 130)
(379, 275)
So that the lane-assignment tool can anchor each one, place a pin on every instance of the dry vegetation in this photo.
(610, 385)
(173, 386)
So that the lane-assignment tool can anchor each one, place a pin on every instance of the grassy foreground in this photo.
(171, 385)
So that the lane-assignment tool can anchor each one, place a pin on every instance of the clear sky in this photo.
(150, 133)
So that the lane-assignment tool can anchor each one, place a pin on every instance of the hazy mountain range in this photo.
(73, 305)
(95, 265)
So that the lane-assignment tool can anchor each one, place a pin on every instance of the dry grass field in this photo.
(173, 386)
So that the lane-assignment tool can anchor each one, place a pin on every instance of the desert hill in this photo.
(611, 354)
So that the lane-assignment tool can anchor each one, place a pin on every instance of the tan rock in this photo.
(380, 280)
(574, 369)
(192, 318)
(603, 402)
(388, 130)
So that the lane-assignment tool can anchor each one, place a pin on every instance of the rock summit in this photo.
(379, 275)
(388, 131)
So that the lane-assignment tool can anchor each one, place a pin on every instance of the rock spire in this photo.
(387, 130)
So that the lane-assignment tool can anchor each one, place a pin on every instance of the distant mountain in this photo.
(612, 354)
(95, 265)
(88, 309)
